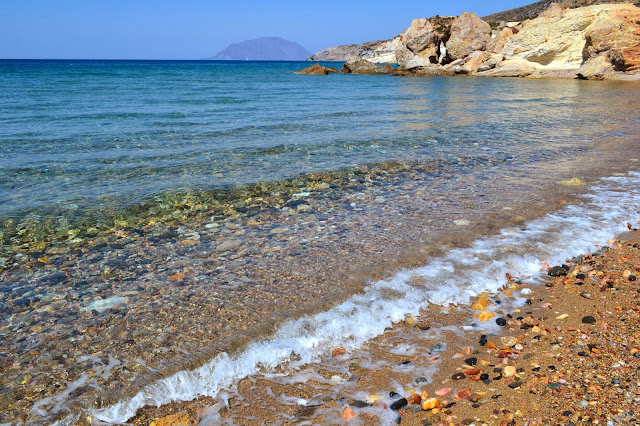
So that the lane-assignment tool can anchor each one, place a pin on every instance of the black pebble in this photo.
(484, 376)
(631, 278)
(515, 385)
(449, 405)
(402, 402)
(458, 376)
(501, 322)
(471, 361)
(567, 413)
(360, 404)
(589, 320)
(393, 394)
(557, 271)
(421, 380)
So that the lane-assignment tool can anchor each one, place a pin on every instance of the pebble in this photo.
(589, 320)
(338, 352)
(509, 371)
(471, 361)
(414, 399)
(557, 271)
(515, 385)
(501, 322)
(443, 391)
(508, 340)
(180, 419)
(402, 402)
(458, 376)
(463, 393)
(431, 403)
(485, 315)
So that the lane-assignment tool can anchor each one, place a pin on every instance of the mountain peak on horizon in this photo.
(263, 49)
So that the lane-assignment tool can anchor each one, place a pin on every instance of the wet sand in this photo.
(104, 312)
(568, 354)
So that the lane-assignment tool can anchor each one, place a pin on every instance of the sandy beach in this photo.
(568, 354)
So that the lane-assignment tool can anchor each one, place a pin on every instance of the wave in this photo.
(452, 279)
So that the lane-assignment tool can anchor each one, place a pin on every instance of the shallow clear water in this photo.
(80, 135)
(164, 218)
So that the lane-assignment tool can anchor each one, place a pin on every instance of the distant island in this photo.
(263, 49)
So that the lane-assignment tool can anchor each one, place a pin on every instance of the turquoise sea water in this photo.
(157, 216)
(80, 134)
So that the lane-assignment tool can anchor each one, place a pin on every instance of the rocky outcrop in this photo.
(592, 42)
(370, 51)
(317, 69)
(357, 65)
(383, 52)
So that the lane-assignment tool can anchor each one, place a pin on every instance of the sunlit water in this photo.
(157, 216)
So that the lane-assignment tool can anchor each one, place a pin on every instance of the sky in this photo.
(196, 29)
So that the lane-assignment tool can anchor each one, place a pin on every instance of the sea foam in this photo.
(452, 279)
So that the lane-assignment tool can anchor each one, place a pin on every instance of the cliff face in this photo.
(594, 42)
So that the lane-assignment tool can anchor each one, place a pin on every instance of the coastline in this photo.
(568, 352)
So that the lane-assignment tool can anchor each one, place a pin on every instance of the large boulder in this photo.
(423, 43)
(317, 69)
(357, 65)
(421, 35)
(468, 34)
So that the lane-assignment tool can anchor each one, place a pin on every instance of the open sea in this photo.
(168, 228)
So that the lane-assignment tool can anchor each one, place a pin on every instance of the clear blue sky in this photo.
(194, 29)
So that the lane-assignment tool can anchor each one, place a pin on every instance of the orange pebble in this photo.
(177, 277)
(480, 304)
(430, 403)
(348, 414)
(338, 352)
(485, 315)
(414, 399)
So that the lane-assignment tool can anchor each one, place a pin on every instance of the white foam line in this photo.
(451, 279)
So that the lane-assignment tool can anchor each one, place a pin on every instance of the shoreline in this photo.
(556, 359)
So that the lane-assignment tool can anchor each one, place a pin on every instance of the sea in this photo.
(168, 228)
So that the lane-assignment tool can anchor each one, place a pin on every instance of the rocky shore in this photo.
(566, 352)
(593, 42)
